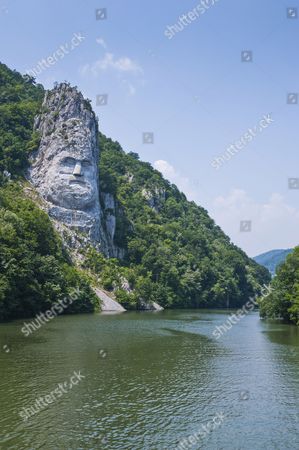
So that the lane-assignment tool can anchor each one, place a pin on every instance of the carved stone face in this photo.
(71, 179)
(66, 171)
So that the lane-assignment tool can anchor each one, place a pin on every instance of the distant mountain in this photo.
(272, 259)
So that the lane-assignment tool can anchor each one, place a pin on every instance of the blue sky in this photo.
(192, 91)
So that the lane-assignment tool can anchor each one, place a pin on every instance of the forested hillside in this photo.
(20, 101)
(174, 252)
(283, 301)
(177, 255)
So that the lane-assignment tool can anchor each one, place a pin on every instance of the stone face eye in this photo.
(86, 163)
(68, 161)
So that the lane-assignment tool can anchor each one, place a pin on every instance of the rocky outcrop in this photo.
(64, 169)
(64, 172)
(110, 212)
(108, 304)
(155, 198)
(149, 306)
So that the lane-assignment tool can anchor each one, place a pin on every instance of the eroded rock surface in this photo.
(110, 211)
(64, 170)
(108, 304)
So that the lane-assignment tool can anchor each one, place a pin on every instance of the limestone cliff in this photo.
(64, 169)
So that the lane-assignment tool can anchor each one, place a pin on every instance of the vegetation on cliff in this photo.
(283, 301)
(20, 101)
(175, 254)
(34, 270)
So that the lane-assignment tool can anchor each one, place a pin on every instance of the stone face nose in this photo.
(78, 170)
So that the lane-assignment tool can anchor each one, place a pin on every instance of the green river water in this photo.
(150, 381)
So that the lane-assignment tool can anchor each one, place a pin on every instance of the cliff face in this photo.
(64, 169)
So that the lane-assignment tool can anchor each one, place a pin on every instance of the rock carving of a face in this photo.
(64, 169)
(71, 177)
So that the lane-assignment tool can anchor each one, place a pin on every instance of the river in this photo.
(147, 381)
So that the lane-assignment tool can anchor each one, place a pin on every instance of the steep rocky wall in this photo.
(64, 169)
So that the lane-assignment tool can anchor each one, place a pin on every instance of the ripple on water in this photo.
(164, 375)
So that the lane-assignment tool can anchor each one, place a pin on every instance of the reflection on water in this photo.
(151, 379)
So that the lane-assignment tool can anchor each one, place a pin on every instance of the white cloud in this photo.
(165, 168)
(101, 42)
(175, 177)
(275, 224)
(123, 64)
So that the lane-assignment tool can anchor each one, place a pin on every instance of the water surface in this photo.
(151, 379)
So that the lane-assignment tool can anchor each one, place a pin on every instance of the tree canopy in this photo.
(283, 301)
(175, 254)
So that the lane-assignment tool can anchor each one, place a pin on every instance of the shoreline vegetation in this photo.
(174, 253)
(282, 302)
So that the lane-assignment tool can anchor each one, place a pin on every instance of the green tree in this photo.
(283, 301)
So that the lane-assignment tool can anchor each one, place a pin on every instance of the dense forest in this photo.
(283, 301)
(174, 252)
(176, 255)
